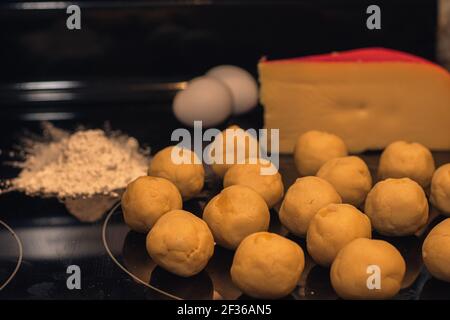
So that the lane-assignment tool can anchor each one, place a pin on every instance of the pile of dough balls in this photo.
(397, 207)
(180, 166)
(302, 201)
(260, 175)
(267, 265)
(212, 98)
(401, 159)
(323, 206)
(235, 213)
(350, 176)
(338, 234)
(146, 199)
(314, 148)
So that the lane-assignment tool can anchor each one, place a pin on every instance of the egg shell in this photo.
(242, 85)
(205, 99)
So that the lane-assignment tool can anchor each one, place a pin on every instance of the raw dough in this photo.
(350, 177)
(401, 159)
(270, 187)
(242, 145)
(353, 270)
(181, 243)
(436, 251)
(188, 176)
(314, 148)
(302, 201)
(332, 228)
(146, 199)
(267, 265)
(440, 189)
(236, 212)
(397, 207)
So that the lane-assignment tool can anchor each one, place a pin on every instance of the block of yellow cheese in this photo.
(368, 97)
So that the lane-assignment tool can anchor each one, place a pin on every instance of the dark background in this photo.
(173, 40)
(128, 59)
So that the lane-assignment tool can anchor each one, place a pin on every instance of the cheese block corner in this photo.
(368, 97)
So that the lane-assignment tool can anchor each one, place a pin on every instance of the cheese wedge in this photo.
(368, 97)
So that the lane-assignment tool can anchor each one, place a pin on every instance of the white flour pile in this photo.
(83, 164)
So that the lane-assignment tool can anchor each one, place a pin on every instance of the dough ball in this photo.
(440, 189)
(235, 213)
(397, 207)
(146, 199)
(253, 175)
(242, 85)
(350, 177)
(333, 227)
(436, 251)
(401, 159)
(302, 201)
(314, 148)
(267, 265)
(354, 271)
(181, 243)
(182, 167)
(232, 146)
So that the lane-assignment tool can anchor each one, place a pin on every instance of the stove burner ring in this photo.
(19, 260)
(120, 265)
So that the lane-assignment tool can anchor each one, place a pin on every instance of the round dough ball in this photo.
(242, 85)
(235, 213)
(146, 199)
(333, 227)
(251, 174)
(314, 148)
(440, 189)
(181, 243)
(267, 265)
(350, 176)
(180, 166)
(397, 207)
(354, 270)
(436, 251)
(401, 159)
(302, 201)
(205, 99)
(233, 143)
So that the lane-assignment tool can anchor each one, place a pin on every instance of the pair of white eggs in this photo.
(212, 98)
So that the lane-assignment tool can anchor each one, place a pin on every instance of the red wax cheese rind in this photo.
(368, 97)
(358, 55)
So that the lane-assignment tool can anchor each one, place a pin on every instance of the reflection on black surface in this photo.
(246, 297)
(435, 289)
(10, 254)
(219, 270)
(197, 287)
(135, 256)
(318, 284)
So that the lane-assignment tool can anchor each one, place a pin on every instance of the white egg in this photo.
(205, 99)
(243, 86)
